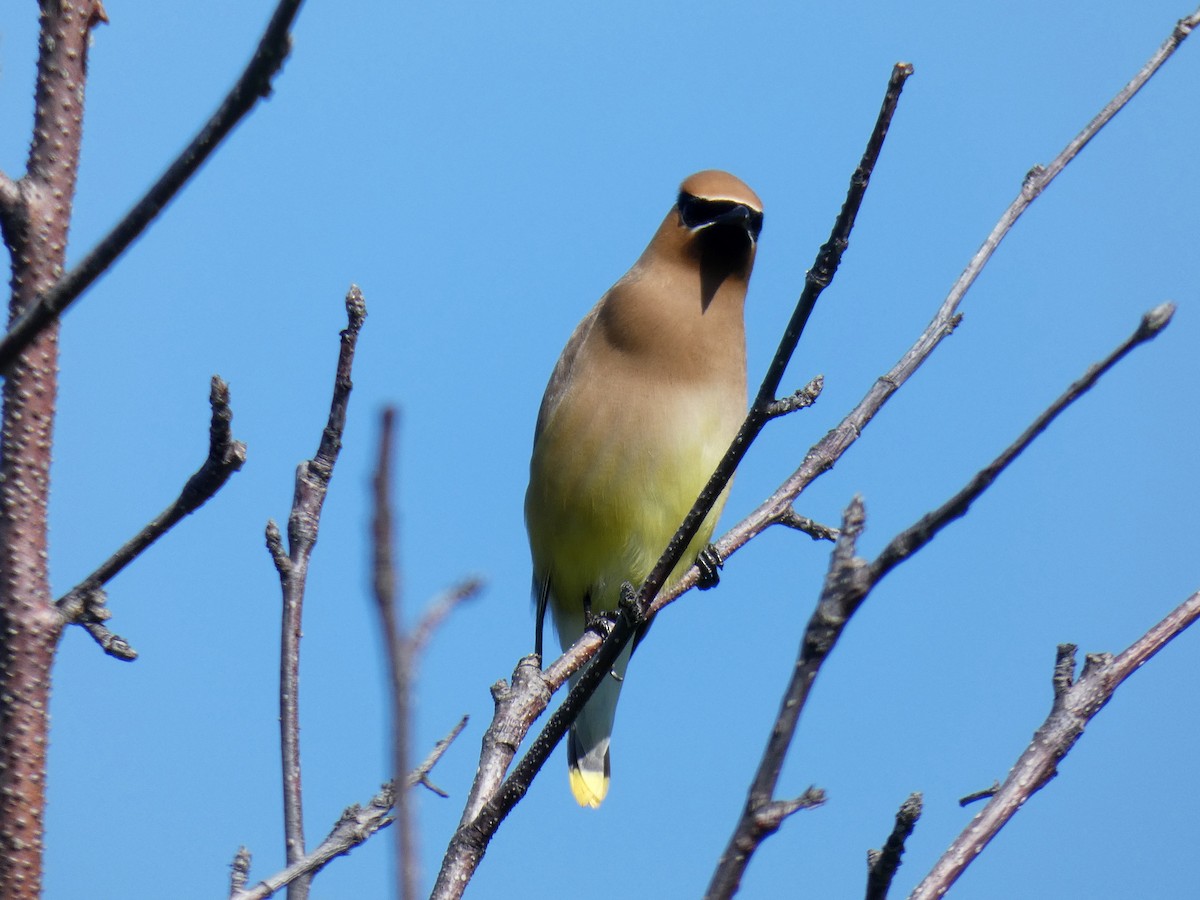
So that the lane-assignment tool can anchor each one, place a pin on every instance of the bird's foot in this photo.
(709, 562)
(601, 623)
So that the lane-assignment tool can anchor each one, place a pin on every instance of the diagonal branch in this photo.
(823, 455)
(1075, 704)
(253, 85)
(848, 583)
(917, 536)
(312, 485)
(85, 603)
(488, 803)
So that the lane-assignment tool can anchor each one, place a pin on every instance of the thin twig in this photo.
(398, 653)
(814, 530)
(253, 85)
(85, 603)
(487, 809)
(849, 581)
(312, 484)
(1075, 704)
(420, 775)
(356, 825)
(883, 864)
(918, 535)
(439, 609)
(826, 452)
(985, 794)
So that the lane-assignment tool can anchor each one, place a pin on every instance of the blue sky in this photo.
(485, 173)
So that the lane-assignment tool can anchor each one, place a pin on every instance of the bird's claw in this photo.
(709, 564)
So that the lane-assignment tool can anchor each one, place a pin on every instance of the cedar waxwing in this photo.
(645, 399)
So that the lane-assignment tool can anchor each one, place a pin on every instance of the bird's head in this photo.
(719, 219)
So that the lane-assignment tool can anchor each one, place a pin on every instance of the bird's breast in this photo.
(615, 471)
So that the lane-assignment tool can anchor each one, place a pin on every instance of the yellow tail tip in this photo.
(589, 788)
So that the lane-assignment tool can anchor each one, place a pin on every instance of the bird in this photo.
(645, 399)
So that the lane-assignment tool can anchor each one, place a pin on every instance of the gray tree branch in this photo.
(848, 583)
(312, 485)
(1075, 703)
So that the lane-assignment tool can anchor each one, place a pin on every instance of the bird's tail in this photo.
(587, 744)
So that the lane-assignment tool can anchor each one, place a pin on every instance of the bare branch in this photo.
(1075, 703)
(399, 655)
(439, 609)
(844, 587)
(356, 825)
(848, 582)
(883, 864)
(420, 775)
(829, 449)
(490, 800)
(908, 542)
(819, 277)
(979, 795)
(312, 484)
(85, 603)
(801, 399)
(814, 530)
(254, 84)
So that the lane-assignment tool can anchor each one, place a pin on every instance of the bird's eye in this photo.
(696, 212)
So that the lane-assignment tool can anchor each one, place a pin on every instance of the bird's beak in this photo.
(742, 218)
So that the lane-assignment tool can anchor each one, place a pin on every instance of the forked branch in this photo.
(312, 485)
(848, 583)
(353, 827)
(86, 603)
(1075, 703)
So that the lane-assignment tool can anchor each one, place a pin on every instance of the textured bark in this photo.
(36, 234)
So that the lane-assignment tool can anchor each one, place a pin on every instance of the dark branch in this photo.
(85, 603)
(254, 84)
(477, 828)
(883, 864)
(839, 598)
(312, 485)
(814, 530)
(979, 795)
(908, 542)
(819, 277)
